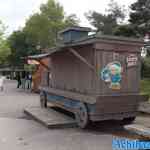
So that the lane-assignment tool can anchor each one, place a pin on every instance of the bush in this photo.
(145, 70)
(145, 86)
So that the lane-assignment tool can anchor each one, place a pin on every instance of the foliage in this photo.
(4, 51)
(146, 68)
(43, 27)
(106, 23)
(140, 16)
(71, 20)
(145, 86)
(20, 47)
(126, 30)
(29, 68)
(116, 11)
(40, 32)
(4, 47)
(139, 20)
(103, 23)
(37, 29)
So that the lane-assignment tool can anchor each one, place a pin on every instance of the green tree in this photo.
(37, 29)
(116, 11)
(140, 17)
(126, 30)
(71, 20)
(20, 47)
(4, 47)
(4, 52)
(106, 23)
(145, 70)
(43, 27)
(140, 22)
(103, 23)
(40, 32)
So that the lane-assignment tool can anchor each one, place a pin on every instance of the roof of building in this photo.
(11, 69)
(39, 56)
(90, 40)
(76, 28)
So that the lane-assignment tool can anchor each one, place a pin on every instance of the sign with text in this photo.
(132, 60)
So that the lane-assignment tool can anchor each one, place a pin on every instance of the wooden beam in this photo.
(44, 65)
(82, 59)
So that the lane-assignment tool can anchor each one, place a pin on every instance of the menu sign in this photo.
(132, 60)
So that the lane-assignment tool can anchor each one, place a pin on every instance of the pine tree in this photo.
(140, 17)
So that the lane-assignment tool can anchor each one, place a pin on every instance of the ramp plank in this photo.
(50, 118)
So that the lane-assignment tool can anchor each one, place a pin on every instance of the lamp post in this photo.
(144, 49)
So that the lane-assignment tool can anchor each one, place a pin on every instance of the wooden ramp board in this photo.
(50, 118)
(139, 129)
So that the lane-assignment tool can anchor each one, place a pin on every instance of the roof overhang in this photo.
(38, 57)
(93, 39)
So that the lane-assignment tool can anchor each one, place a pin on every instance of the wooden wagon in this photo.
(95, 77)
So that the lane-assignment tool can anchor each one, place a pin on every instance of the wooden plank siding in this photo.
(116, 46)
(40, 77)
(70, 95)
(76, 77)
(70, 73)
(130, 76)
(124, 103)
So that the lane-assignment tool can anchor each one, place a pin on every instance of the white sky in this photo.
(15, 12)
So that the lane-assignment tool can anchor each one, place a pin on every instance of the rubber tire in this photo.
(43, 100)
(82, 116)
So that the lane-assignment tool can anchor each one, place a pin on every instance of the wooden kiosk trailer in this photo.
(95, 77)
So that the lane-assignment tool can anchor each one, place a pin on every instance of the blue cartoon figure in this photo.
(112, 74)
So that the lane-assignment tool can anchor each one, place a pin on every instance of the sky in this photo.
(14, 13)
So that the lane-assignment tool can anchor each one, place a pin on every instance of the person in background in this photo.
(23, 80)
(18, 80)
(2, 83)
(28, 80)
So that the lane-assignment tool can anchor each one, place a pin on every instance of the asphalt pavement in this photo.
(19, 132)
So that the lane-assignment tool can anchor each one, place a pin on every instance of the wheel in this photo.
(43, 100)
(129, 120)
(81, 116)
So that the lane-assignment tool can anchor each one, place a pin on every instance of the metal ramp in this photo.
(50, 118)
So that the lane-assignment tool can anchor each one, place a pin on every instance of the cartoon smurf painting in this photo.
(112, 74)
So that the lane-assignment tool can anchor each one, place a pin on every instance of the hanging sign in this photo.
(132, 60)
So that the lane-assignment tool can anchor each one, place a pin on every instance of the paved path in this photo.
(20, 133)
(13, 100)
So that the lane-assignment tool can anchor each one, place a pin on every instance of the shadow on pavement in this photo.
(113, 127)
